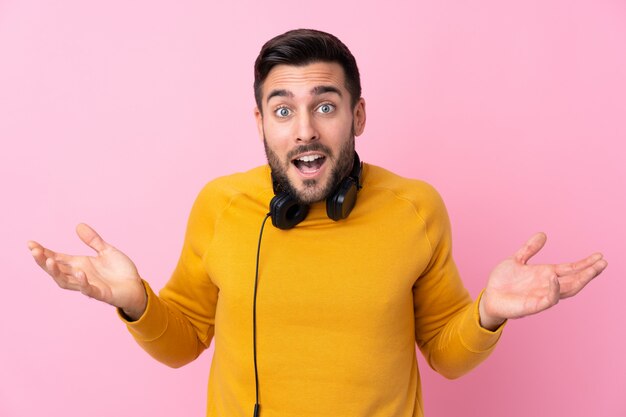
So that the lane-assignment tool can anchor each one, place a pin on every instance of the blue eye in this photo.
(326, 108)
(282, 112)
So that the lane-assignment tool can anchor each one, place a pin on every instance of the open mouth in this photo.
(309, 164)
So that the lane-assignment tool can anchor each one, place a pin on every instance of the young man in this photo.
(319, 315)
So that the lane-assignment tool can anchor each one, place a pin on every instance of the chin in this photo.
(311, 191)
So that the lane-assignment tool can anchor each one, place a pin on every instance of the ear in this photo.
(259, 121)
(359, 117)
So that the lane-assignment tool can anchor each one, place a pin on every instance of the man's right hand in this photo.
(110, 276)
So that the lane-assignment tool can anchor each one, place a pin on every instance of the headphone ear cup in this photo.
(286, 212)
(340, 204)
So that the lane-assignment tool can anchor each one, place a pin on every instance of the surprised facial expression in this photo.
(308, 127)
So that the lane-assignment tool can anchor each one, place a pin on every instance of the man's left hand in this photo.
(516, 289)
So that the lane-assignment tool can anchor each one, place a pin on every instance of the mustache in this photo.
(311, 147)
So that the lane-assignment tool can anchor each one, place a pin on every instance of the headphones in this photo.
(287, 212)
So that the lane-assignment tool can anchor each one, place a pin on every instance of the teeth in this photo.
(309, 158)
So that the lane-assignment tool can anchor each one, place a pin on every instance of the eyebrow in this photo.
(316, 91)
(278, 93)
(321, 89)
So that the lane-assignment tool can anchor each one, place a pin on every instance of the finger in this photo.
(38, 255)
(554, 292)
(41, 253)
(90, 237)
(53, 269)
(84, 286)
(32, 245)
(568, 268)
(553, 295)
(572, 284)
(36, 248)
(61, 278)
(530, 248)
(64, 268)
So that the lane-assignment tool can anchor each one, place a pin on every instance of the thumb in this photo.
(530, 248)
(90, 237)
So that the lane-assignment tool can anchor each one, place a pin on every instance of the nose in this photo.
(306, 130)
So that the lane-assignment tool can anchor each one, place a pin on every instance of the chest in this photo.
(363, 267)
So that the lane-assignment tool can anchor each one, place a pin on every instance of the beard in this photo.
(312, 190)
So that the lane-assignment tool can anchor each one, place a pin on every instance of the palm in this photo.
(109, 272)
(523, 289)
(516, 289)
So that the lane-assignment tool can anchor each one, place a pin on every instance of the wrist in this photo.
(134, 311)
(486, 320)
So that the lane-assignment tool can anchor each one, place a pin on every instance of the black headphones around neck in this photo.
(287, 212)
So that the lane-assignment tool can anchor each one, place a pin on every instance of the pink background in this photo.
(116, 113)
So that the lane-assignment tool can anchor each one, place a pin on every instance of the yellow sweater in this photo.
(340, 305)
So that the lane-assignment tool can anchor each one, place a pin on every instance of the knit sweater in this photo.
(340, 305)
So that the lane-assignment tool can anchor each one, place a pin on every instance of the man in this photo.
(319, 315)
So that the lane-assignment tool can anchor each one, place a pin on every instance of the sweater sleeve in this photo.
(179, 323)
(448, 330)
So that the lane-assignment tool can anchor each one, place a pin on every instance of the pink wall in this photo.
(116, 113)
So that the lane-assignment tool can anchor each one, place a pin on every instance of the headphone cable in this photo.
(256, 281)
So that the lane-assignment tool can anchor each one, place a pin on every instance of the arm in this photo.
(447, 327)
(179, 323)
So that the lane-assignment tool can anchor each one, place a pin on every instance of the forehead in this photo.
(302, 79)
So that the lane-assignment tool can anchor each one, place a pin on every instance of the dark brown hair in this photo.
(301, 47)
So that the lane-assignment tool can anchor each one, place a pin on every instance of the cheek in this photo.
(336, 130)
(277, 131)
(277, 138)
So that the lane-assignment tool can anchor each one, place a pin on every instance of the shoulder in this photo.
(254, 181)
(220, 192)
(402, 196)
(420, 194)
